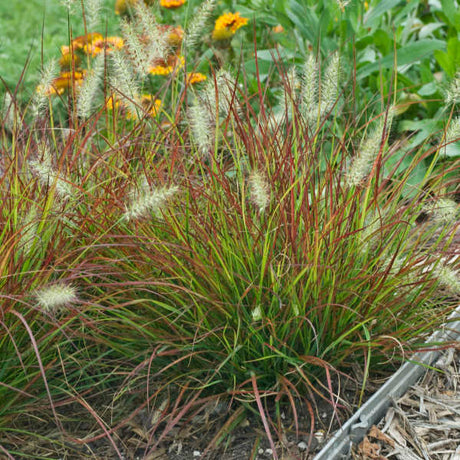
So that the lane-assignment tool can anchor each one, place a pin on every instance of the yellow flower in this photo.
(366, 5)
(162, 67)
(195, 77)
(122, 6)
(112, 103)
(227, 24)
(171, 4)
(151, 107)
(108, 44)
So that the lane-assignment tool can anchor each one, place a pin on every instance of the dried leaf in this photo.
(375, 433)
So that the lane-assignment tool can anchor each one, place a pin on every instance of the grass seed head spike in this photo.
(443, 210)
(309, 89)
(89, 88)
(93, 12)
(144, 200)
(43, 168)
(202, 127)
(138, 52)
(259, 190)
(448, 278)
(453, 92)
(330, 84)
(197, 23)
(362, 163)
(124, 81)
(453, 131)
(53, 298)
(44, 88)
(155, 36)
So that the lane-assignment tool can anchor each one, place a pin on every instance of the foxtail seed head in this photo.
(259, 190)
(195, 28)
(56, 296)
(145, 200)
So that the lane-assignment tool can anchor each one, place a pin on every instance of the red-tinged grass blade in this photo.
(287, 389)
(6, 453)
(231, 423)
(101, 423)
(42, 369)
(262, 415)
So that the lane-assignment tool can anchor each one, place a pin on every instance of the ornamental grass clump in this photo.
(210, 260)
(221, 301)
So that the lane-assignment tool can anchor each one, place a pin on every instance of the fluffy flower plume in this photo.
(201, 125)
(44, 88)
(448, 278)
(89, 87)
(217, 94)
(309, 91)
(453, 93)
(146, 40)
(453, 132)
(443, 210)
(44, 170)
(198, 22)
(330, 84)
(144, 200)
(370, 146)
(92, 12)
(259, 190)
(9, 114)
(55, 297)
(123, 79)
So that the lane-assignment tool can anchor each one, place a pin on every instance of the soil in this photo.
(191, 439)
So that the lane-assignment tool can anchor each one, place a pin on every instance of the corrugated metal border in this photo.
(356, 427)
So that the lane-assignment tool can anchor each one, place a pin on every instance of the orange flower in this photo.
(171, 4)
(65, 81)
(195, 77)
(108, 44)
(161, 67)
(279, 29)
(227, 24)
(82, 40)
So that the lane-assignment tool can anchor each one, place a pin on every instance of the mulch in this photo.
(424, 424)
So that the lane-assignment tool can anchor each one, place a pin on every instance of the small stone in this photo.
(268, 451)
(302, 446)
(319, 435)
(196, 453)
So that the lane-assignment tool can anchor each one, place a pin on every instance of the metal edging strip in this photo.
(370, 413)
